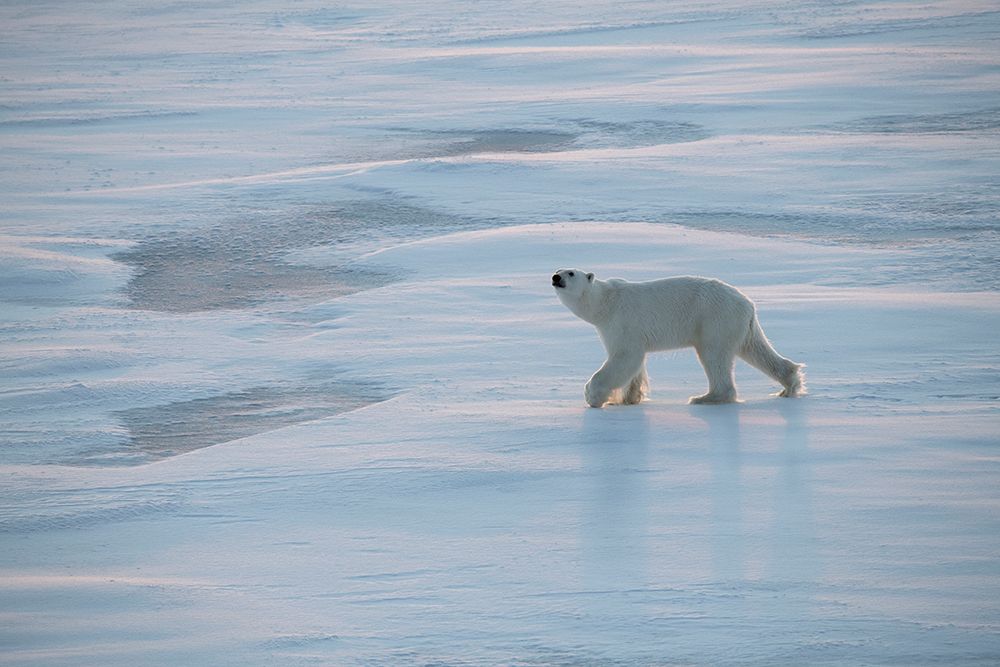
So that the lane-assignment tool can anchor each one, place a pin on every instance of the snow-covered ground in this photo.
(283, 381)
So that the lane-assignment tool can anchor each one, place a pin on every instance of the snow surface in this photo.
(283, 381)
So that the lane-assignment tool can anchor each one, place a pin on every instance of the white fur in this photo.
(632, 319)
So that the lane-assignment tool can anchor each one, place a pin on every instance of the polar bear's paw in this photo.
(632, 396)
(595, 396)
(794, 383)
(713, 399)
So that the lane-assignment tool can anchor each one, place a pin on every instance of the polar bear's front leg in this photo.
(616, 372)
(637, 387)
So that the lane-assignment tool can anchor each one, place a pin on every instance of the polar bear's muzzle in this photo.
(557, 281)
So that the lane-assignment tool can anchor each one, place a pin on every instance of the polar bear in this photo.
(714, 318)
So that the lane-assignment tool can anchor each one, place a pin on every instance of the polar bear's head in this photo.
(571, 283)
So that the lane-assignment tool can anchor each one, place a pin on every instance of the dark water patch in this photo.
(634, 134)
(983, 22)
(244, 261)
(508, 141)
(322, 19)
(875, 219)
(955, 251)
(983, 120)
(571, 35)
(780, 223)
(392, 218)
(570, 134)
(455, 142)
(216, 272)
(970, 208)
(80, 120)
(29, 511)
(162, 431)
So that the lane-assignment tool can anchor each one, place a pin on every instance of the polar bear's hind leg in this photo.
(718, 364)
(759, 353)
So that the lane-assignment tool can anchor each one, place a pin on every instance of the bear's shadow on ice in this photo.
(630, 456)
(733, 447)
(615, 445)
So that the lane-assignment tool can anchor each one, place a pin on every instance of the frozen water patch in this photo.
(947, 214)
(596, 31)
(570, 134)
(241, 263)
(76, 120)
(884, 218)
(135, 408)
(270, 253)
(982, 120)
(384, 218)
(636, 133)
(162, 431)
(83, 508)
(89, 431)
(834, 23)
(505, 141)
(955, 233)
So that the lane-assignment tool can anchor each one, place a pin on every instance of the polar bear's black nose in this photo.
(557, 280)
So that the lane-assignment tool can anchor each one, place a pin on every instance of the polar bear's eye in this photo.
(570, 274)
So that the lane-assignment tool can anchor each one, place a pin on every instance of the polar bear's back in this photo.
(677, 312)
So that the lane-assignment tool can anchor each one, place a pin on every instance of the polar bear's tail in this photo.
(759, 353)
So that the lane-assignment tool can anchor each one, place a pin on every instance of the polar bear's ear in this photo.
(590, 277)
